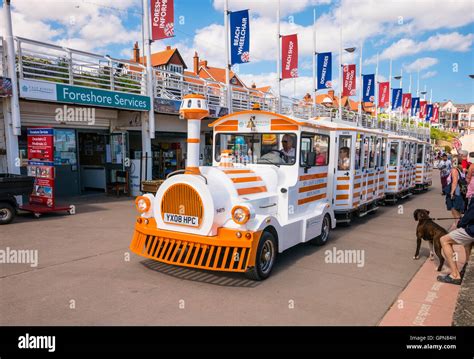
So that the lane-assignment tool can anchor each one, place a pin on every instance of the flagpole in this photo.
(227, 59)
(278, 59)
(340, 70)
(377, 89)
(360, 81)
(424, 95)
(401, 86)
(314, 61)
(390, 91)
(149, 68)
(431, 96)
(418, 84)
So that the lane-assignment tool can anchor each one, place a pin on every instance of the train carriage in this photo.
(399, 173)
(424, 166)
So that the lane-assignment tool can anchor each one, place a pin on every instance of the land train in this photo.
(276, 181)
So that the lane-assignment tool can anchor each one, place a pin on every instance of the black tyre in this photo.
(7, 213)
(264, 258)
(325, 229)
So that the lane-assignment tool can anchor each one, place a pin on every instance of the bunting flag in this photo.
(349, 80)
(384, 88)
(429, 112)
(289, 59)
(396, 98)
(162, 19)
(406, 102)
(422, 109)
(435, 117)
(368, 88)
(415, 105)
(239, 37)
(324, 70)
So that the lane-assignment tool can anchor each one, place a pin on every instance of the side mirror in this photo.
(310, 159)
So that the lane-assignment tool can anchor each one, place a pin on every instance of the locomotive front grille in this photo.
(182, 199)
(190, 254)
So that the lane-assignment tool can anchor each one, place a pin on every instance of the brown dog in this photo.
(431, 232)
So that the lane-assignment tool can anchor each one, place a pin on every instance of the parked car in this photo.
(12, 185)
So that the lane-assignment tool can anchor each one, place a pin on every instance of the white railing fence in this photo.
(46, 62)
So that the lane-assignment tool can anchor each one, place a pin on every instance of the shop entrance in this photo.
(93, 160)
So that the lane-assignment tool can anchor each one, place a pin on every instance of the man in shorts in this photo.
(463, 235)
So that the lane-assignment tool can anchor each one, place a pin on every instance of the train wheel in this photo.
(325, 229)
(265, 258)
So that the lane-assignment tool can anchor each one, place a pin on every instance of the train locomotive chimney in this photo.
(193, 109)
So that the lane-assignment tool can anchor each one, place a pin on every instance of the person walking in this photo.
(454, 198)
(444, 167)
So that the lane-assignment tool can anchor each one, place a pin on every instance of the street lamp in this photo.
(471, 76)
(350, 49)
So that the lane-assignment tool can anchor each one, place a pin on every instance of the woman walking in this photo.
(454, 199)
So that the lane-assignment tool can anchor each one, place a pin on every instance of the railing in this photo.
(41, 61)
(3, 67)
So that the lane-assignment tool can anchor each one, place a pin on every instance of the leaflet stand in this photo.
(41, 166)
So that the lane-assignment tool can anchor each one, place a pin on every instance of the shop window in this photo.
(344, 160)
(393, 154)
(65, 147)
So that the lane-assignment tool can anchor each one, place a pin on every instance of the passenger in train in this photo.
(320, 156)
(344, 161)
(288, 149)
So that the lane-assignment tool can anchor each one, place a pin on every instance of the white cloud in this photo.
(452, 42)
(429, 74)
(421, 64)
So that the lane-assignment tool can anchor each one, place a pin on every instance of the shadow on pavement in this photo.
(224, 279)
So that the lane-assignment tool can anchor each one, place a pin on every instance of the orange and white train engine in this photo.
(267, 190)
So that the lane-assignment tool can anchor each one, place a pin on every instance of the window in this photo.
(393, 154)
(419, 154)
(358, 155)
(344, 161)
(176, 68)
(384, 146)
(315, 150)
(372, 155)
(377, 152)
(261, 148)
(365, 149)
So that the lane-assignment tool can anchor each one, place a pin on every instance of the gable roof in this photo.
(161, 58)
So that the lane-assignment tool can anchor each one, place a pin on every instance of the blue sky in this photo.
(434, 37)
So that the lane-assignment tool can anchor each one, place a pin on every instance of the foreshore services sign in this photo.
(47, 91)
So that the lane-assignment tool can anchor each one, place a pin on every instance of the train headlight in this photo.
(241, 214)
(143, 204)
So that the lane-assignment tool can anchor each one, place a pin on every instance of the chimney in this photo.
(168, 47)
(203, 63)
(331, 93)
(136, 52)
(196, 62)
(254, 86)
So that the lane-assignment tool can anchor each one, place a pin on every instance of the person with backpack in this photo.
(455, 191)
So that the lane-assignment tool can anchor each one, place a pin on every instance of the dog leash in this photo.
(441, 219)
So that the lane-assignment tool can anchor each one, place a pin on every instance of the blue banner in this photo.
(239, 37)
(324, 70)
(368, 88)
(396, 98)
(429, 112)
(415, 105)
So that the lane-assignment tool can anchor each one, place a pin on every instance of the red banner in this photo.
(435, 117)
(406, 102)
(162, 19)
(289, 56)
(349, 80)
(384, 92)
(422, 109)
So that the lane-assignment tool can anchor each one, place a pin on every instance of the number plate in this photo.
(181, 219)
